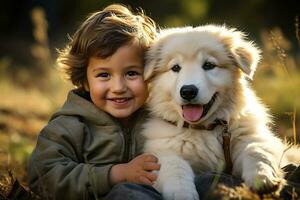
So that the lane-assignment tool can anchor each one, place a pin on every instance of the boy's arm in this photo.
(55, 168)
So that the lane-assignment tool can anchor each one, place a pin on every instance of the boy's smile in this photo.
(120, 102)
(116, 83)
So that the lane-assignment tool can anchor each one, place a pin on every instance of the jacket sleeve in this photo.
(56, 169)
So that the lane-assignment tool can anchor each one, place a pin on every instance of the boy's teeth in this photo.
(120, 100)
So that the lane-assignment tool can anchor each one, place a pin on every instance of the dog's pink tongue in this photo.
(192, 113)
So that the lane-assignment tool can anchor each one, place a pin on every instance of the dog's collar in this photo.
(225, 135)
(210, 127)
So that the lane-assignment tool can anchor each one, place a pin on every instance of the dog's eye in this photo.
(208, 65)
(176, 68)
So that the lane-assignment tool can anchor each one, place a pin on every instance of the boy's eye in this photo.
(132, 73)
(103, 75)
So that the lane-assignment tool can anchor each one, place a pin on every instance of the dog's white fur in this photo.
(257, 154)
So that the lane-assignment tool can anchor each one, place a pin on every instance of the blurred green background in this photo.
(31, 87)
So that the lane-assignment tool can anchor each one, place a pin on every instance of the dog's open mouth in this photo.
(194, 112)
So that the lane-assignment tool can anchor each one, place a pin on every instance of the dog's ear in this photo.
(152, 62)
(246, 56)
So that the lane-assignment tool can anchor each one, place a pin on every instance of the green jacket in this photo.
(77, 148)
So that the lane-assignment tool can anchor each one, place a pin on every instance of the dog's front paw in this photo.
(264, 180)
(180, 192)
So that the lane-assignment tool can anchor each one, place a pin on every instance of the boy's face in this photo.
(116, 83)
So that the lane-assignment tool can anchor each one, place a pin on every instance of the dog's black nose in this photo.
(188, 92)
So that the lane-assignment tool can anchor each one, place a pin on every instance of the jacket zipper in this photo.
(128, 142)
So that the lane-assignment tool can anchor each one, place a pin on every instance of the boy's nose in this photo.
(118, 85)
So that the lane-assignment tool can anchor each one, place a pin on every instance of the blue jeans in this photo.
(204, 183)
(208, 181)
(132, 191)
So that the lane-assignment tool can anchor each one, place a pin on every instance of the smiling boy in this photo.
(91, 144)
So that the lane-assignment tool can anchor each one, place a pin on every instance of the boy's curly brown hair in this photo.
(101, 34)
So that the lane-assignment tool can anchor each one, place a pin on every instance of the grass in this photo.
(23, 113)
(277, 83)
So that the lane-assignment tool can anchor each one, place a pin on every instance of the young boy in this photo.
(91, 143)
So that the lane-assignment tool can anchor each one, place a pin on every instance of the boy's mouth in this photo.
(121, 100)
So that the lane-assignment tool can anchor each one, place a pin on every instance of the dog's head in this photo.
(190, 69)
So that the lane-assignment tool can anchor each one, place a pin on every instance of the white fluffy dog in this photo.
(204, 116)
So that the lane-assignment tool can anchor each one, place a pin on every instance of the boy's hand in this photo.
(137, 170)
